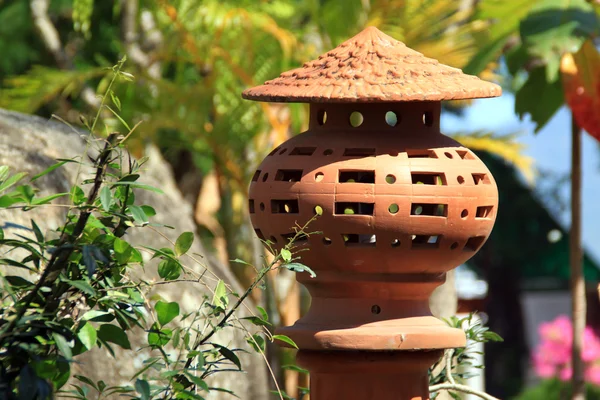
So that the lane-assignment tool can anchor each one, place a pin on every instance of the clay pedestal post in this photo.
(400, 204)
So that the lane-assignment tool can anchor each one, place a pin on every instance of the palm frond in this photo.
(504, 146)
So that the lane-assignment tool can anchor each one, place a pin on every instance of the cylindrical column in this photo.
(356, 375)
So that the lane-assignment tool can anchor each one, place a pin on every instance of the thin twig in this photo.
(448, 357)
(461, 388)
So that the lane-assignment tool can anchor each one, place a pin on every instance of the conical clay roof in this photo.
(372, 67)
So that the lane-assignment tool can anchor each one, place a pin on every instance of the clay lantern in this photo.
(400, 204)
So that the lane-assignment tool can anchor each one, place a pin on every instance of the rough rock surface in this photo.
(31, 144)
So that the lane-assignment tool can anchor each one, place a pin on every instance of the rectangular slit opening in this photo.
(474, 243)
(259, 234)
(284, 207)
(288, 175)
(256, 175)
(251, 206)
(354, 208)
(421, 153)
(359, 240)
(356, 177)
(481, 179)
(483, 211)
(465, 154)
(426, 241)
(432, 210)
(358, 152)
(429, 178)
(289, 236)
(303, 151)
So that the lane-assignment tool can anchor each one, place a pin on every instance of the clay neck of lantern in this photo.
(421, 116)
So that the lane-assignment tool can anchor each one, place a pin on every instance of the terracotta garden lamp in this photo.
(401, 205)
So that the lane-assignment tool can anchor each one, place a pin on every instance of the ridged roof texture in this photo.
(372, 67)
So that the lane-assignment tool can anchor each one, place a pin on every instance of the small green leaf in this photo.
(115, 100)
(123, 250)
(77, 195)
(220, 297)
(37, 231)
(169, 269)
(196, 380)
(149, 211)
(263, 313)
(166, 312)
(297, 267)
(183, 243)
(138, 214)
(11, 181)
(86, 380)
(87, 335)
(49, 169)
(143, 388)
(27, 192)
(286, 340)
(286, 255)
(228, 354)
(8, 200)
(114, 334)
(98, 316)
(116, 114)
(257, 342)
(84, 286)
(4, 171)
(89, 261)
(257, 321)
(138, 186)
(159, 337)
(63, 345)
(47, 199)
(18, 282)
(106, 198)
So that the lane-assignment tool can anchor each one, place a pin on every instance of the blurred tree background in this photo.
(193, 58)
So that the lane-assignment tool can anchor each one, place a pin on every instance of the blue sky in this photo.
(551, 150)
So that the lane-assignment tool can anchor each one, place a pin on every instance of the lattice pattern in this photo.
(385, 192)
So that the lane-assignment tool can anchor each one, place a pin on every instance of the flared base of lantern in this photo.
(413, 333)
(358, 375)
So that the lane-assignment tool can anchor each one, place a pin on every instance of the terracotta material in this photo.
(374, 67)
(400, 205)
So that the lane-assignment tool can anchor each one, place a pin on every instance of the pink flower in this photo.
(552, 357)
(592, 374)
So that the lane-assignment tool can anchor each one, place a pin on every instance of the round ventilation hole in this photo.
(454, 246)
(460, 179)
(375, 309)
(390, 179)
(356, 119)
(448, 155)
(319, 176)
(391, 118)
(393, 208)
(326, 241)
(265, 176)
(322, 117)
(395, 243)
(328, 152)
(464, 213)
(262, 206)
